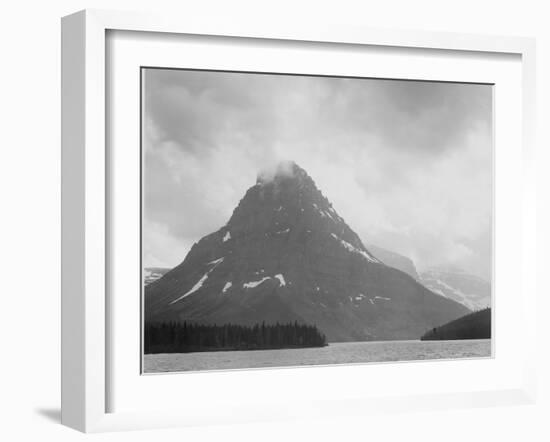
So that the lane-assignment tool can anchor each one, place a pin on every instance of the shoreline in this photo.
(328, 344)
(343, 353)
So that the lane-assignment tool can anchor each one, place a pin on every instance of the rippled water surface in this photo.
(335, 353)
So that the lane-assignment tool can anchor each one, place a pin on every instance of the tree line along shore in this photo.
(174, 337)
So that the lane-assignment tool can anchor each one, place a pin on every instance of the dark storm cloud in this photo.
(421, 116)
(200, 109)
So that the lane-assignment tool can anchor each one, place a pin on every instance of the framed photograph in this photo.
(247, 207)
(247, 263)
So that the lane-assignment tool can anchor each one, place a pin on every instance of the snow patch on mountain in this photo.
(252, 284)
(354, 249)
(200, 282)
(196, 287)
(227, 236)
(227, 286)
(324, 213)
(282, 231)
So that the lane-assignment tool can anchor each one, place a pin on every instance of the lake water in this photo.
(335, 353)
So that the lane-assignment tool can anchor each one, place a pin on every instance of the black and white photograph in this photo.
(302, 220)
(275, 221)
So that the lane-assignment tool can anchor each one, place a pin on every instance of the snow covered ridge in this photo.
(252, 284)
(200, 282)
(469, 290)
(151, 274)
(475, 297)
(354, 249)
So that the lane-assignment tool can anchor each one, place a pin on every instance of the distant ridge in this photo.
(472, 291)
(452, 283)
(151, 274)
(395, 260)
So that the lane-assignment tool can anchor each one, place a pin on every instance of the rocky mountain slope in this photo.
(286, 255)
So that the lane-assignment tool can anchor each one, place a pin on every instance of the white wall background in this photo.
(30, 220)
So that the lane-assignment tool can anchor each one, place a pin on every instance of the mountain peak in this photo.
(286, 199)
(283, 170)
(287, 255)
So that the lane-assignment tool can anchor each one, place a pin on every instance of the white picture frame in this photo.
(86, 203)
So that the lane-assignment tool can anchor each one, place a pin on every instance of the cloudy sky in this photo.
(407, 164)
